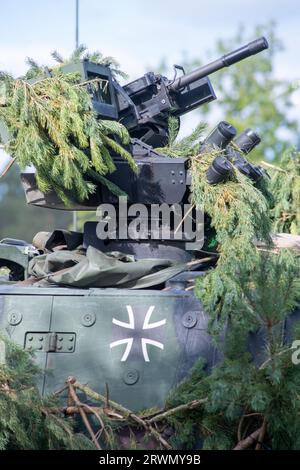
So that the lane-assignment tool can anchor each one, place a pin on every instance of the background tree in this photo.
(250, 94)
(19, 220)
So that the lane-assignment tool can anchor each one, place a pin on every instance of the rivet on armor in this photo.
(189, 319)
(131, 376)
(14, 318)
(88, 319)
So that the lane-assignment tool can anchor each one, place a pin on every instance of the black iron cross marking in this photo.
(138, 333)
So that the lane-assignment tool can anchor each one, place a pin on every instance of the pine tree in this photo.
(246, 291)
(250, 94)
(243, 397)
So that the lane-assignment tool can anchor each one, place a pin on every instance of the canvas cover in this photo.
(92, 268)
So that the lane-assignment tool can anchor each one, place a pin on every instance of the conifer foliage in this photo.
(285, 187)
(239, 215)
(52, 125)
(184, 147)
(24, 420)
(255, 392)
(251, 398)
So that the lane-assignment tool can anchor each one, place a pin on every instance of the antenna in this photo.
(76, 47)
(77, 25)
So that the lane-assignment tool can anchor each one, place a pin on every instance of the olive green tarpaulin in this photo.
(97, 269)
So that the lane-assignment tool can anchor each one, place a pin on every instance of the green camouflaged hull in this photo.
(141, 343)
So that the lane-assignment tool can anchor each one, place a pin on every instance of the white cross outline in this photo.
(131, 325)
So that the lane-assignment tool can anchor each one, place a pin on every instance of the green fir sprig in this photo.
(24, 420)
(53, 126)
(239, 214)
(245, 389)
(285, 187)
(185, 146)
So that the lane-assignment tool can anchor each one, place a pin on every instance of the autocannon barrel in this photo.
(252, 48)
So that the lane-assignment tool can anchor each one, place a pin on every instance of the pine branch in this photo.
(57, 57)
(85, 420)
(24, 421)
(261, 435)
(32, 63)
(249, 441)
(178, 409)
(239, 215)
(285, 186)
(187, 146)
(53, 126)
(127, 413)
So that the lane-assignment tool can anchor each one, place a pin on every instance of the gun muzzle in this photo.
(252, 48)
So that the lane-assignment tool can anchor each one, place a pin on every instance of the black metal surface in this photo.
(219, 171)
(247, 140)
(145, 104)
(159, 179)
(104, 99)
(143, 249)
(220, 136)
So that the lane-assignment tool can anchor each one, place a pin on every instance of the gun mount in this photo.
(144, 107)
(145, 104)
(161, 180)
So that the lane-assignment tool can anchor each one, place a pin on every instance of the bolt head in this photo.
(131, 376)
(189, 319)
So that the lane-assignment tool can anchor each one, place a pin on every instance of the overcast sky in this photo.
(138, 32)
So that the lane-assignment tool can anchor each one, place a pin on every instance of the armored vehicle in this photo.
(125, 313)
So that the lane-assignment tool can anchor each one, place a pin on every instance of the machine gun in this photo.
(145, 104)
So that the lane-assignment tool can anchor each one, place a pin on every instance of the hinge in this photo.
(54, 342)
